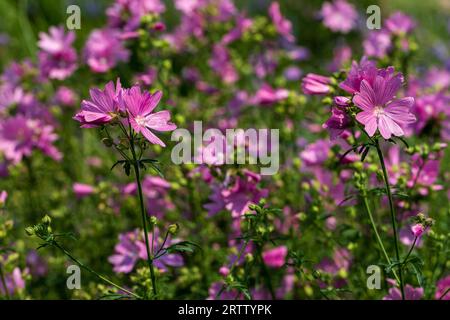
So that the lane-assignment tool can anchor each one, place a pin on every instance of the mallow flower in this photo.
(140, 106)
(379, 108)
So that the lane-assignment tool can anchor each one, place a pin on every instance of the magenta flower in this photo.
(57, 58)
(127, 252)
(441, 288)
(364, 70)
(104, 50)
(283, 26)
(377, 44)
(417, 230)
(16, 138)
(3, 197)
(237, 197)
(275, 257)
(315, 84)
(14, 282)
(400, 23)
(82, 190)
(266, 95)
(140, 106)
(102, 108)
(380, 109)
(221, 64)
(339, 16)
(411, 293)
(337, 123)
(65, 96)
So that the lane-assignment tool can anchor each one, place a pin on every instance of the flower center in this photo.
(140, 120)
(378, 111)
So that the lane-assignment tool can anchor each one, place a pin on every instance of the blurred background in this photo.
(22, 20)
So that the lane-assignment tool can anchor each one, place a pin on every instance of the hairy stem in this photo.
(144, 218)
(101, 277)
(392, 211)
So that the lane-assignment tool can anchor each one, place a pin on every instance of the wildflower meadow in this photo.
(224, 150)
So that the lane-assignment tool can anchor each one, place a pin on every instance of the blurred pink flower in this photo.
(283, 26)
(316, 84)
(266, 95)
(104, 50)
(339, 16)
(399, 23)
(411, 293)
(275, 257)
(417, 230)
(82, 190)
(441, 288)
(57, 58)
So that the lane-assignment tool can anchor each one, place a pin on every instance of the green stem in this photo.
(101, 277)
(144, 218)
(410, 250)
(2, 277)
(375, 230)
(392, 211)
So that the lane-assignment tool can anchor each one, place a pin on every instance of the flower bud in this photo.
(173, 229)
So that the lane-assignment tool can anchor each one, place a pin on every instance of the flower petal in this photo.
(160, 121)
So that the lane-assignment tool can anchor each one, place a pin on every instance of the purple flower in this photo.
(37, 265)
(127, 14)
(315, 84)
(102, 108)
(417, 230)
(127, 252)
(377, 44)
(65, 96)
(14, 282)
(411, 293)
(339, 16)
(242, 24)
(237, 197)
(140, 106)
(57, 58)
(442, 287)
(16, 138)
(276, 257)
(221, 64)
(104, 50)
(399, 23)
(283, 26)
(364, 70)
(316, 153)
(337, 123)
(3, 197)
(380, 109)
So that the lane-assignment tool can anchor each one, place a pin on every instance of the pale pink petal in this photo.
(151, 137)
(160, 121)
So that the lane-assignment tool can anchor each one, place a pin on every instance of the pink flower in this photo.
(364, 70)
(377, 44)
(337, 123)
(65, 96)
(266, 95)
(57, 58)
(221, 63)
(441, 287)
(275, 257)
(380, 109)
(411, 293)
(3, 197)
(104, 50)
(283, 26)
(316, 84)
(400, 23)
(417, 229)
(140, 106)
(14, 282)
(82, 190)
(339, 16)
(102, 108)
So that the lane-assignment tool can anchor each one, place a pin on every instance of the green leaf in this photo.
(183, 246)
